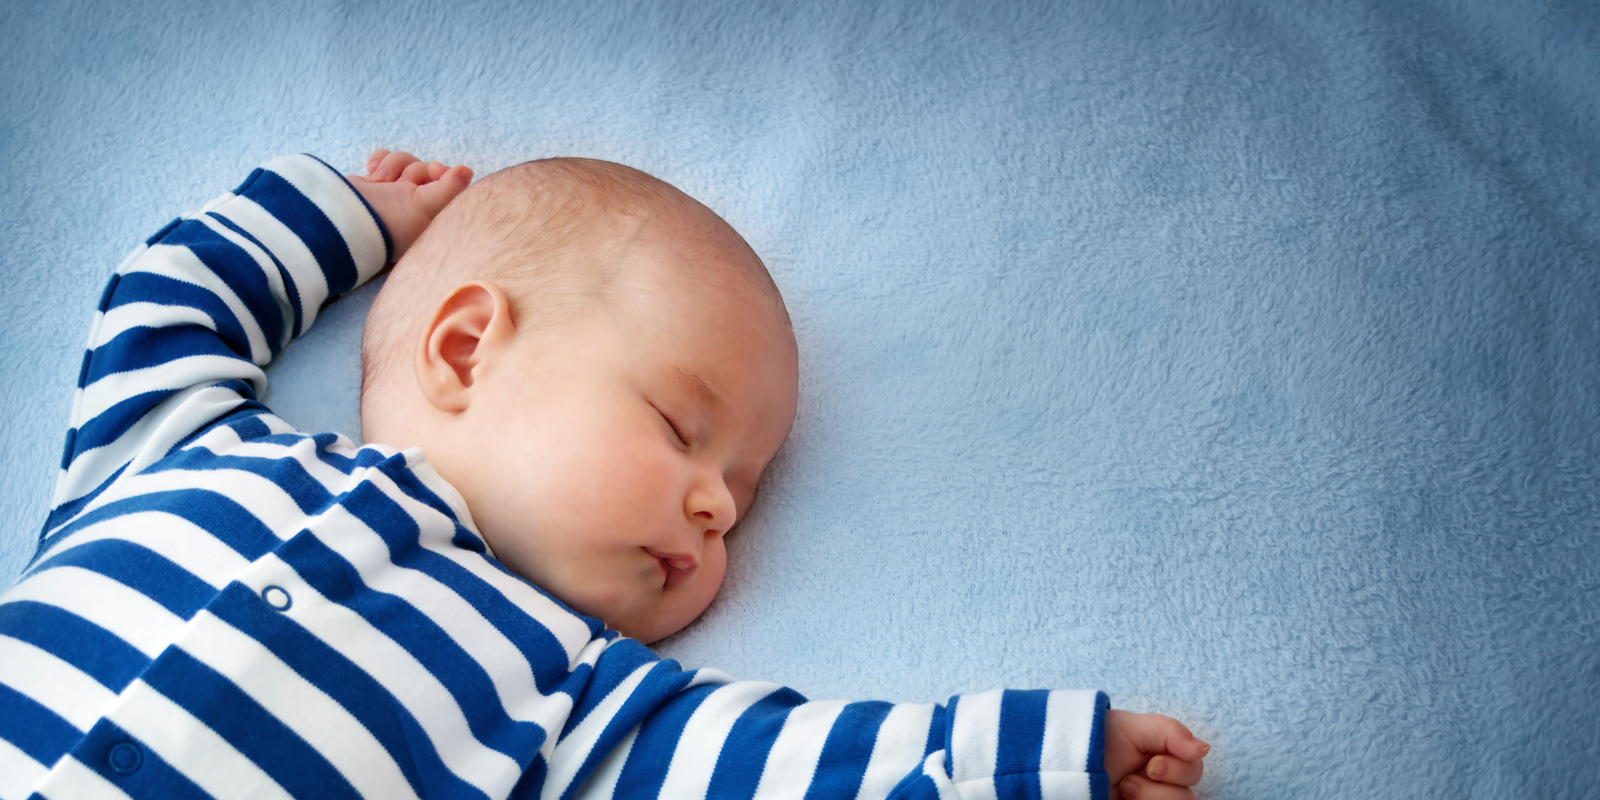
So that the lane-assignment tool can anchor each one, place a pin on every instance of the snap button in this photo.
(277, 597)
(125, 758)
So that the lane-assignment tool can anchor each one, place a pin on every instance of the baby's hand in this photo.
(1151, 757)
(408, 193)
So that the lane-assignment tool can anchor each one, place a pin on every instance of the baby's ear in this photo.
(471, 324)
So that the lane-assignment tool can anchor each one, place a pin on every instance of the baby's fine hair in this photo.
(551, 234)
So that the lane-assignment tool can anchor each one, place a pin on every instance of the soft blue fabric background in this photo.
(1240, 359)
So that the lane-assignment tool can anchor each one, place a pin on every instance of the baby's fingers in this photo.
(1177, 772)
(416, 173)
(1134, 787)
(1157, 734)
(436, 195)
(392, 165)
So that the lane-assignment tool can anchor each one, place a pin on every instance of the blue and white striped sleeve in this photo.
(648, 728)
(193, 314)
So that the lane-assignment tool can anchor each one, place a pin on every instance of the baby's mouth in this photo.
(676, 567)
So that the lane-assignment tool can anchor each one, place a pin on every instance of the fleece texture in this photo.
(1239, 359)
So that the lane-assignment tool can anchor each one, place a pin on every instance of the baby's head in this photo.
(602, 367)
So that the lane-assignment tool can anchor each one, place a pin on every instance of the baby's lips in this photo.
(683, 562)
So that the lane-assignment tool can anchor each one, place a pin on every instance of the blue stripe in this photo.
(66, 451)
(213, 513)
(848, 748)
(346, 464)
(285, 471)
(146, 287)
(238, 269)
(290, 287)
(1021, 735)
(34, 729)
(115, 421)
(154, 777)
(1097, 737)
(744, 754)
(116, 278)
(83, 369)
(429, 644)
(141, 347)
(139, 568)
(252, 730)
(249, 427)
(95, 651)
(280, 199)
(939, 728)
(652, 752)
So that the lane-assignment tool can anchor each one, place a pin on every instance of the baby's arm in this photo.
(645, 727)
(191, 317)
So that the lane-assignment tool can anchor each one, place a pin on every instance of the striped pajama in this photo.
(222, 606)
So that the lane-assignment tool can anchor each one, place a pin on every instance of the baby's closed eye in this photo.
(676, 431)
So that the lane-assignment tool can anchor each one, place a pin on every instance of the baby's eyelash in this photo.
(674, 426)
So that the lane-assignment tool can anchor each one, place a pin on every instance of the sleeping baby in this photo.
(572, 382)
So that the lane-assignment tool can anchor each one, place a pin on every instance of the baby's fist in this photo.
(1151, 757)
(407, 193)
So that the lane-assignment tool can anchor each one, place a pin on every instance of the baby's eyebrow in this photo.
(697, 387)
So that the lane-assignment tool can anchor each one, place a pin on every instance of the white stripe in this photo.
(19, 773)
(182, 264)
(123, 318)
(793, 760)
(1064, 785)
(295, 256)
(700, 744)
(603, 783)
(898, 749)
(176, 539)
(568, 756)
(53, 683)
(320, 720)
(975, 740)
(71, 780)
(933, 767)
(145, 442)
(261, 497)
(190, 746)
(269, 271)
(416, 689)
(330, 192)
(175, 375)
(1068, 727)
(130, 616)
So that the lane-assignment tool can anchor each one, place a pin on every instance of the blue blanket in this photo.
(1240, 359)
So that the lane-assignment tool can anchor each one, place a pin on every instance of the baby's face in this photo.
(613, 458)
